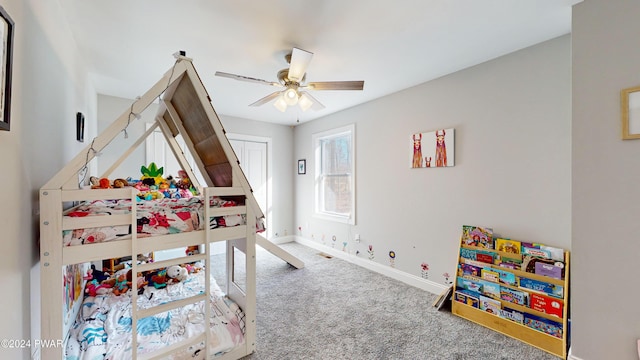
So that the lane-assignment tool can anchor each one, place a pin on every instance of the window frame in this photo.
(317, 151)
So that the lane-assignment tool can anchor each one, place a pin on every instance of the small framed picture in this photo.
(80, 127)
(302, 167)
(6, 58)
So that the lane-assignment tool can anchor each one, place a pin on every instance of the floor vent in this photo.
(325, 255)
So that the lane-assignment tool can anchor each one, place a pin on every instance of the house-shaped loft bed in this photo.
(184, 109)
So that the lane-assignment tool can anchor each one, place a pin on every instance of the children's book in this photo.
(490, 289)
(506, 277)
(556, 291)
(541, 253)
(547, 326)
(508, 246)
(478, 264)
(485, 256)
(514, 296)
(556, 253)
(470, 270)
(470, 285)
(467, 297)
(490, 275)
(468, 254)
(490, 305)
(513, 315)
(477, 236)
(546, 304)
(551, 270)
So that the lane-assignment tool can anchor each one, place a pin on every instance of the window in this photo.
(334, 174)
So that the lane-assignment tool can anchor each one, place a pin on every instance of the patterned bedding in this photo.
(154, 217)
(102, 329)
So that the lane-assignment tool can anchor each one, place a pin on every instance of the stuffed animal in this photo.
(167, 276)
(152, 172)
(94, 288)
(192, 250)
(120, 183)
(94, 274)
(122, 284)
(177, 273)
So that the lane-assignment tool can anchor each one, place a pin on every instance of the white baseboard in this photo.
(393, 273)
(571, 356)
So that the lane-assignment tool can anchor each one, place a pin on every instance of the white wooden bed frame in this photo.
(185, 109)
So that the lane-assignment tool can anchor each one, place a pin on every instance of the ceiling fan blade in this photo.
(298, 66)
(266, 99)
(335, 85)
(315, 104)
(246, 78)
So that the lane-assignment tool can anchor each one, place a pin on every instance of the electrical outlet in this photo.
(357, 237)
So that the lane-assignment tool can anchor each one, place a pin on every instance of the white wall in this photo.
(49, 87)
(109, 109)
(605, 182)
(512, 168)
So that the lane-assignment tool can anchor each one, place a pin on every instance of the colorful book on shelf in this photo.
(471, 270)
(537, 252)
(514, 296)
(554, 290)
(490, 275)
(505, 258)
(511, 314)
(555, 253)
(477, 255)
(477, 236)
(467, 297)
(506, 277)
(485, 256)
(546, 304)
(469, 284)
(468, 254)
(508, 246)
(547, 326)
(551, 268)
(490, 305)
(478, 264)
(490, 289)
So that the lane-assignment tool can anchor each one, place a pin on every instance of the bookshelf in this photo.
(475, 298)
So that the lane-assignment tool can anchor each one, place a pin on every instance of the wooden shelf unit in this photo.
(549, 343)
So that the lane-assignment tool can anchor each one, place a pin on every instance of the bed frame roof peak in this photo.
(186, 109)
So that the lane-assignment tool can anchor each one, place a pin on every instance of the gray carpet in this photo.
(333, 309)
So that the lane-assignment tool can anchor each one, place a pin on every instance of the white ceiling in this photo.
(128, 45)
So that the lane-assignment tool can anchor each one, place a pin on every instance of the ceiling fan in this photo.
(292, 82)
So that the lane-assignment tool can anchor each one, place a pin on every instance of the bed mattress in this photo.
(154, 217)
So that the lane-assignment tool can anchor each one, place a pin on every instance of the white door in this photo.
(253, 161)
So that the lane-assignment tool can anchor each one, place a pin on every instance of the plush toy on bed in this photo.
(164, 277)
(94, 288)
(94, 274)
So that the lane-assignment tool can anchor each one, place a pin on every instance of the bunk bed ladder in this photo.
(137, 314)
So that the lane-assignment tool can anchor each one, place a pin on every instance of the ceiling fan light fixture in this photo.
(280, 103)
(291, 96)
(305, 102)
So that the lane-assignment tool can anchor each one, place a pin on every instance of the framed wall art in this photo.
(80, 127)
(630, 110)
(6, 59)
(433, 149)
(302, 167)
